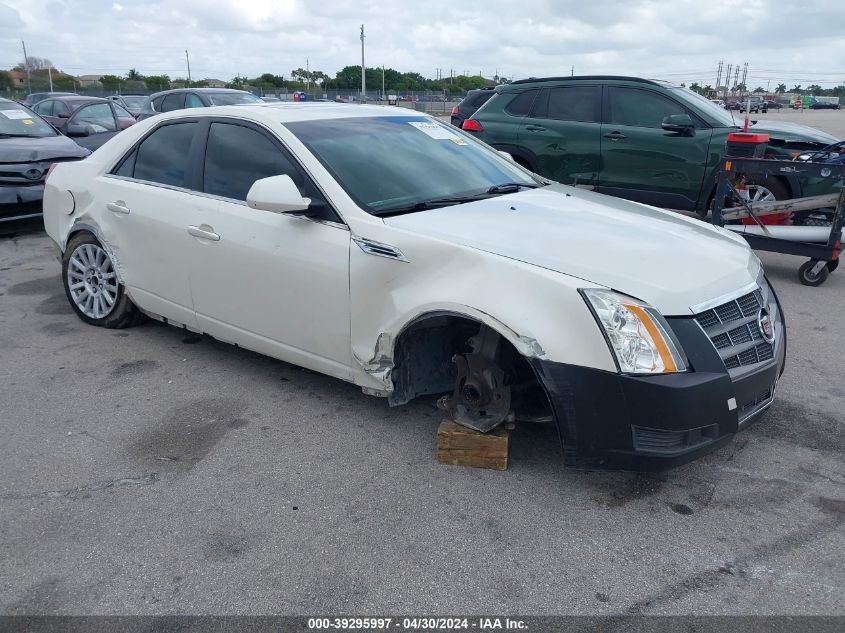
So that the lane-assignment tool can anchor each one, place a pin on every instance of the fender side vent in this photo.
(379, 250)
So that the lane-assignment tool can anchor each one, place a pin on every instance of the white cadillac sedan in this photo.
(388, 249)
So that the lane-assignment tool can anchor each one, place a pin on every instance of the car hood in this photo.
(37, 149)
(789, 131)
(668, 260)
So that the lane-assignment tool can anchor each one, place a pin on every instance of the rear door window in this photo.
(162, 157)
(481, 98)
(175, 101)
(521, 104)
(44, 108)
(193, 101)
(575, 103)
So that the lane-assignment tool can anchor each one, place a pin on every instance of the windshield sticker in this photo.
(15, 114)
(436, 131)
(27, 121)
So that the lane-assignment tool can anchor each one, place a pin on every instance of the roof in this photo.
(536, 80)
(75, 98)
(292, 111)
(214, 90)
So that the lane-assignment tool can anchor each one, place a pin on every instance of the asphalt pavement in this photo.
(152, 471)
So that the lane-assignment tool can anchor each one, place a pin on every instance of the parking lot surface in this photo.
(153, 471)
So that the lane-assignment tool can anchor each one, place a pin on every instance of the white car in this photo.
(388, 249)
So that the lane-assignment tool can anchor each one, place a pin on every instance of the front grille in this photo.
(732, 328)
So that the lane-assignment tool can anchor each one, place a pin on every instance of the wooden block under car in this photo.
(460, 446)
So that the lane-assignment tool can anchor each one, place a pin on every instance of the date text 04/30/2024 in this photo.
(417, 624)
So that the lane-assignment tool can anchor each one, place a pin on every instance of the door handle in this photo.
(206, 233)
(615, 136)
(117, 207)
(535, 128)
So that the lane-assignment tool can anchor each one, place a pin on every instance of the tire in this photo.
(101, 299)
(807, 278)
(832, 265)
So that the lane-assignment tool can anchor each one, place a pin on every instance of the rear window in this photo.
(521, 104)
(232, 98)
(481, 98)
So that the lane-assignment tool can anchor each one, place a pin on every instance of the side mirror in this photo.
(681, 123)
(63, 115)
(77, 129)
(278, 194)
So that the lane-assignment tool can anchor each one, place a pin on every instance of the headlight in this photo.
(637, 334)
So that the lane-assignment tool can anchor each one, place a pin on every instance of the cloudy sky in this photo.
(682, 40)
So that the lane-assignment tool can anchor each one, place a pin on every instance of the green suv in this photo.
(648, 141)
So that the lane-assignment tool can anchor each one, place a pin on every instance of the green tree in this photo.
(780, 89)
(5, 80)
(134, 75)
(157, 82)
(796, 88)
(111, 82)
(695, 87)
(759, 89)
(815, 89)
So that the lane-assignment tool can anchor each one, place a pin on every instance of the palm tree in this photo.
(780, 89)
(796, 88)
(134, 75)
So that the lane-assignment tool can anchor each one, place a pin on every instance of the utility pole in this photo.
(736, 75)
(188, 60)
(26, 66)
(572, 72)
(728, 79)
(363, 69)
(50, 76)
(383, 93)
(307, 74)
(719, 76)
(744, 76)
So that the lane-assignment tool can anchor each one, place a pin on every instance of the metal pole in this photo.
(26, 66)
(50, 76)
(383, 93)
(363, 69)
(188, 60)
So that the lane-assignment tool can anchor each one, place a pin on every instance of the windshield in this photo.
(15, 120)
(394, 163)
(134, 102)
(705, 106)
(232, 98)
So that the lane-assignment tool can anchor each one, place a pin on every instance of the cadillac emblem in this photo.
(766, 327)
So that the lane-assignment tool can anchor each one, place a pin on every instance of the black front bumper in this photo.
(618, 421)
(20, 201)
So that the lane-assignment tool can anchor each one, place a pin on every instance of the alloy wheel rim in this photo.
(92, 281)
(758, 193)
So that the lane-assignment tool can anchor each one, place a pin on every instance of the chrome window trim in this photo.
(212, 196)
(199, 115)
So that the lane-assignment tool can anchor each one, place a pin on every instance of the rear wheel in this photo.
(92, 286)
